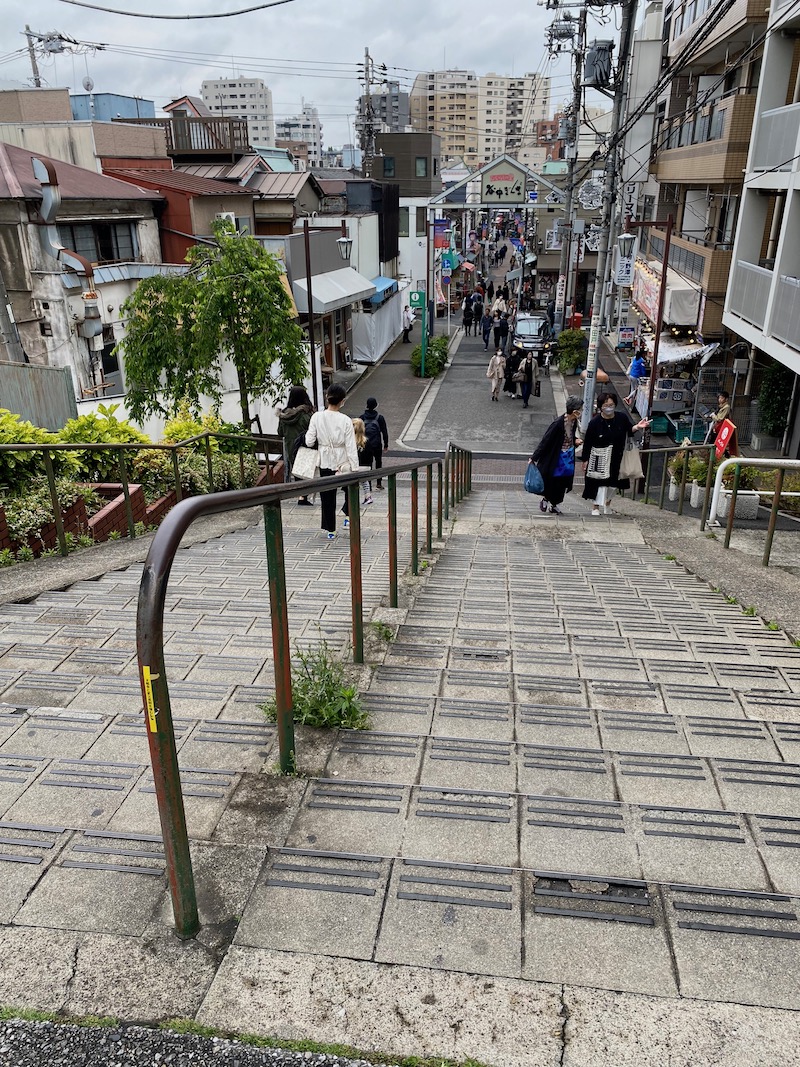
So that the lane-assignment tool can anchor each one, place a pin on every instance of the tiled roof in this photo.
(75, 183)
(183, 182)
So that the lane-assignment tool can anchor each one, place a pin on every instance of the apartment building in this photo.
(445, 102)
(389, 109)
(243, 98)
(702, 136)
(763, 300)
(303, 127)
(509, 110)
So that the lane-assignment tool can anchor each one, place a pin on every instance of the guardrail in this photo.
(454, 481)
(779, 465)
(653, 453)
(265, 444)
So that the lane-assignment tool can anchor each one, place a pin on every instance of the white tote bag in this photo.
(599, 465)
(306, 463)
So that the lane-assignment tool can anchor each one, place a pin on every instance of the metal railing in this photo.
(778, 465)
(454, 481)
(652, 456)
(264, 444)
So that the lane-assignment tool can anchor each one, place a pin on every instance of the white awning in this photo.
(336, 289)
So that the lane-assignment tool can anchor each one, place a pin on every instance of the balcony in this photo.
(776, 139)
(786, 313)
(707, 145)
(208, 137)
(750, 286)
(734, 31)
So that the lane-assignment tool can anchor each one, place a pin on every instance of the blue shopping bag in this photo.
(534, 483)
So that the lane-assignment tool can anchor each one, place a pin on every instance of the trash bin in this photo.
(577, 320)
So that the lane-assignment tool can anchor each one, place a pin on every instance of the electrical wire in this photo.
(146, 15)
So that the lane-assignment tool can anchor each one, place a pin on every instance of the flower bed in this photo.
(75, 520)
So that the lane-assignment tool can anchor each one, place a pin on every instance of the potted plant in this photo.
(571, 351)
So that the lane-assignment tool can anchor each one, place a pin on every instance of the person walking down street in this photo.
(486, 329)
(365, 458)
(490, 293)
(477, 314)
(466, 313)
(606, 437)
(495, 372)
(408, 324)
(505, 292)
(636, 371)
(513, 360)
(504, 332)
(530, 367)
(499, 305)
(332, 431)
(555, 456)
(293, 422)
(496, 328)
(377, 435)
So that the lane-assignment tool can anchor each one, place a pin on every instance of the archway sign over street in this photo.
(504, 183)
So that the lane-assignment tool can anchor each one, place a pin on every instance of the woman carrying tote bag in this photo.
(332, 432)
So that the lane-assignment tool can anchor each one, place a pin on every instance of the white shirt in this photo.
(337, 440)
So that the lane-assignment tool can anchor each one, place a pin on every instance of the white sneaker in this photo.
(595, 511)
(367, 500)
(346, 524)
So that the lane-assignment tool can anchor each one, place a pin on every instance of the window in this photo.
(422, 221)
(403, 222)
(422, 167)
(100, 242)
(388, 166)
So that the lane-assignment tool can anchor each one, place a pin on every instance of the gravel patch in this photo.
(31, 1044)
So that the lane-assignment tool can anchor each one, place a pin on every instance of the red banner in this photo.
(725, 440)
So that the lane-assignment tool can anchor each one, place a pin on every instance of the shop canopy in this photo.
(672, 351)
(336, 289)
(681, 300)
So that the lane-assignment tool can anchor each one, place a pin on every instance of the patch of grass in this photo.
(751, 611)
(731, 600)
(31, 1015)
(321, 694)
(382, 630)
(189, 1026)
(772, 625)
(711, 535)
(670, 558)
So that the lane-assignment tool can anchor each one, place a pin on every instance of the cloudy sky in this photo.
(303, 49)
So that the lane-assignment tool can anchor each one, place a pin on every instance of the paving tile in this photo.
(565, 772)
(206, 792)
(735, 946)
(646, 778)
(490, 719)
(752, 786)
(65, 733)
(605, 933)
(463, 763)
(472, 826)
(551, 724)
(77, 792)
(26, 850)
(644, 732)
(736, 738)
(778, 840)
(336, 815)
(569, 834)
(55, 689)
(316, 902)
(461, 917)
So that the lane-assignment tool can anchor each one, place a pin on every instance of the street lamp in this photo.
(345, 246)
(626, 241)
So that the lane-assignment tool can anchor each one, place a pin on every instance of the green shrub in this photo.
(774, 398)
(19, 469)
(185, 424)
(97, 428)
(697, 470)
(28, 512)
(435, 357)
(321, 695)
(571, 350)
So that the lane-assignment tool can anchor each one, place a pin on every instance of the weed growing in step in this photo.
(670, 558)
(382, 631)
(321, 694)
(751, 611)
(731, 600)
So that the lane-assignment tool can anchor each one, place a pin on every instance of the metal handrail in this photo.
(779, 465)
(686, 449)
(150, 628)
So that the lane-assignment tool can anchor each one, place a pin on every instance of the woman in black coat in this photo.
(606, 436)
(555, 456)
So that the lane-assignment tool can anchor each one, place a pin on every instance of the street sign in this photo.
(533, 195)
(416, 299)
(445, 279)
(447, 264)
(624, 273)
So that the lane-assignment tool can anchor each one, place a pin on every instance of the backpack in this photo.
(372, 432)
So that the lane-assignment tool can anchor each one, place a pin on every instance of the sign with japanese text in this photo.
(441, 239)
(725, 441)
(503, 184)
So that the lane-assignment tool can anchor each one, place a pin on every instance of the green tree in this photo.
(231, 302)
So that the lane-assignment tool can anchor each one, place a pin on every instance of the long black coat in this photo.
(599, 434)
(546, 456)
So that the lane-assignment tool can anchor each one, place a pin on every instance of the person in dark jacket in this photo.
(555, 455)
(504, 331)
(293, 422)
(486, 329)
(490, 293)
(466, 320)
(606, 437)
(513, 360)
(530, 366)
(496, 329)
(377, 435)
(477, 314)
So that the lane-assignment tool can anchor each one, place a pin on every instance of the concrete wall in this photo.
(35, 105)
(71, 142)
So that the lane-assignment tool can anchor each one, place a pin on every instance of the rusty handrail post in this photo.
(58, 518)
(439, 476)
(647, 477)
(454, 475)
(279, 613)
(126, 492)
(429, 508)
(392, 494)
(737, 471)
(446, 481)
(242, 478)
(176, 470)
(414, 521)
(164, 755)
(209, 464)
(356, 589)
(684, 473)
(773, 517)
(664, 472)
(709, 484)
(469, 472)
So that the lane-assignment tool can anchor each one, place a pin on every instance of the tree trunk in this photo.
(244, 402)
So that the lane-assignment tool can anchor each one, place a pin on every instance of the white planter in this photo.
(696, 496)
(763, 443)
(746, 505)
(673, 489)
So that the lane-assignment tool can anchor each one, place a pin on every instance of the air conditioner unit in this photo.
(227, 216)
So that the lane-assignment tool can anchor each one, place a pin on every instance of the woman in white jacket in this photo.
(332, 431)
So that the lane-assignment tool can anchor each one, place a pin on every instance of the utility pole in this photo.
(609, 182)
(368, 127)
(37, 81)
(569, 199)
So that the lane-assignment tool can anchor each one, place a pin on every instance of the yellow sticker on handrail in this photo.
(150, 704)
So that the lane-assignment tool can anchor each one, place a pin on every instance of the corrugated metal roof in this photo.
(75, 183)
(279, 186)
(180, 180)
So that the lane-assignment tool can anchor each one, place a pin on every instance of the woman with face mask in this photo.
(606, 437)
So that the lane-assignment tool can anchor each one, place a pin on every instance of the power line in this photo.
(145, 15)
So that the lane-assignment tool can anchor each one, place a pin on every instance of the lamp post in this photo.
(449, 235)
